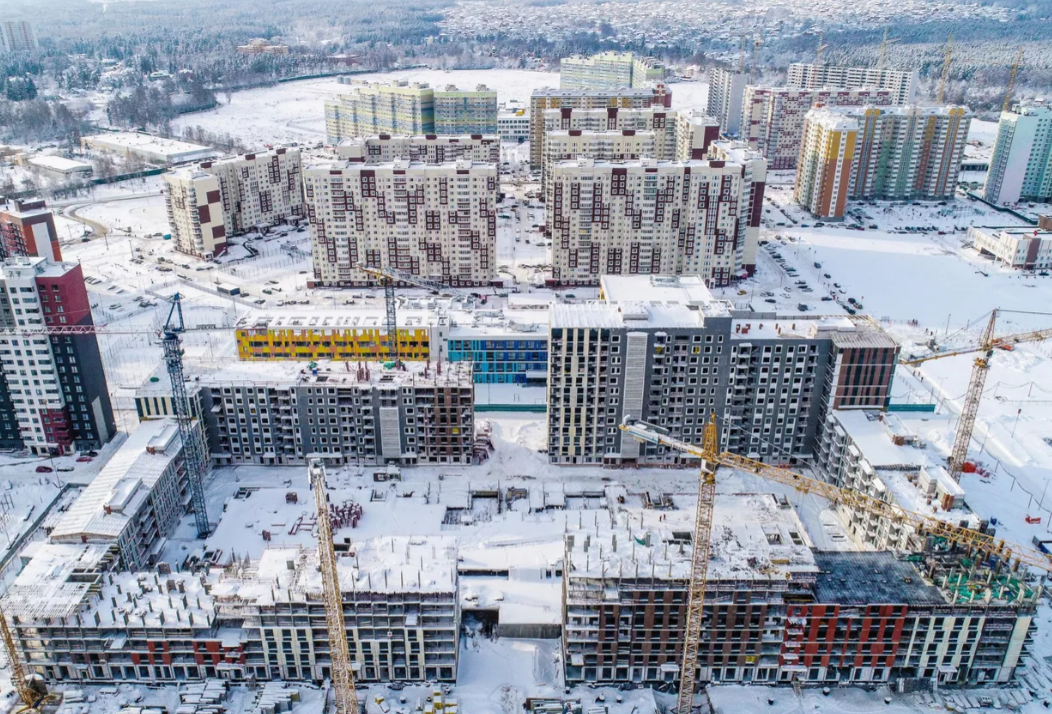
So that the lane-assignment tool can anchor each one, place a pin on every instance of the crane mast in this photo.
(342, 676)
(947, 58)
(25, 692)
(1011, 80)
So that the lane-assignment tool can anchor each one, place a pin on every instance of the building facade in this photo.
(17, 36)
(754, 183)
(544, 99)
(1021, 165)
(665, 351)
(55, 398)
(726, 91)
(435, 221)
(609, 70)
(815, 76)
(410, 108)
(646, 217)
(27, 228)
(1020, 247)
(283, 413)
(884, 153)
(429, 149)
(194, 203)
(259, 190)
(513, 125)
(773, 117)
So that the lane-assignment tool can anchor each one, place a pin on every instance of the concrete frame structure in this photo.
(27, 228)
(1021, 165)
(53, 396)
(902, 83)
(609, 70)
(438, 221)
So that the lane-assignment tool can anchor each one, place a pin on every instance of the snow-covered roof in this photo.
(55, 581)
(58, 163)
(111, 500)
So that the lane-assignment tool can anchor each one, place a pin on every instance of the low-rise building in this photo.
(154, 149)
(1020, 247)
(60, 167)
(261, 46)
(513, 125)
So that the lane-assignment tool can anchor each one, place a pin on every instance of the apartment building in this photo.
(1020, 165)
(136, 500)
(609, 70)
(402, 107)
(27, 228)
(827, 157)
(284, 413)
(773, 117)
(663, 350)
(881, 454)
(754, 177)
(887, 153)
(726, 91)
(258, 190)
(429, 149)
(262, 46)
(1019, 247)
(438, 221)
(76, 618)
(645, 217)
(195, 212)
(815, 76)
(17, 36)
(460, 111)
(777, 609)
(565, 99)
(53, 397)
(513, 125)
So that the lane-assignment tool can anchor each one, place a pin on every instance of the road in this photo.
(71, 211)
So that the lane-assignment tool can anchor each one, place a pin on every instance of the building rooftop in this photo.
(871, 578)
(754, 537)
(56, 580)
(110, 501)
(830, 114)
(58, 163)
(620, 92)
(147, 142)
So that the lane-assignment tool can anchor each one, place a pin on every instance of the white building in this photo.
(60, 166)
(428, 149)
(813, 76)
(513, 125)
(148, 147)
(1021, 247)
(437, 221)
(726, 89)
(195, 212)
(750, 212)
(1021, 166)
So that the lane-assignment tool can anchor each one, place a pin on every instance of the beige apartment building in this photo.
(429, 149)
(827, 154)
(609, 70)
(259, 190)
(814, 76)
(195, 212)
(437, 221)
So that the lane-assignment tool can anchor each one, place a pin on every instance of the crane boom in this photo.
(25, 692)
(1011, 80)
(947, 59)
(342, 676)
(853, 500)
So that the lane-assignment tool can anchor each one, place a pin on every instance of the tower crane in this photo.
(387, 277)
(755, 57)
(987, 343)
(342, 676)
(712, 458)
(821, 48)
(26, 692)
(1011, 80)
(947, 58)
(883, 54)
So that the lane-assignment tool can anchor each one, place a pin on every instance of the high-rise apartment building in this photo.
(17, 36)
(567, 100)
(1021, 165)
(750, 210)
(195, 212)
(646, 217)
(459, 111)
(27, 228)
(609, 70)
(258, 190)
(903, 153)
(663, 350)
(53, 398)
(429, 149)
(410, 108)
(773, 117)
(726, 90)
(438, 221)
(815, 76)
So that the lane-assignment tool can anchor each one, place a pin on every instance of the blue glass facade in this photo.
(502, 361)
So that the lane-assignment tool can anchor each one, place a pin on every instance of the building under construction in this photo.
(284, 413)
(75, 618)
(778, 610)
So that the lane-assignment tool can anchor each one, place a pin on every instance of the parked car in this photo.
(84, 459)
(65, 469)
(44, 469)
(771, 300)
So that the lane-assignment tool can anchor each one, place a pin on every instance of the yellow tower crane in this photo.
(821, 48)
(882, 56)
(712, 458)
(342, 676)
(947, 58)
(987, 343)
(1011, 80)
(30, 697)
